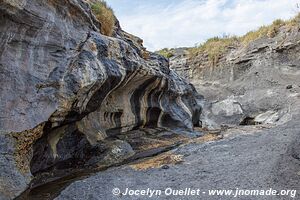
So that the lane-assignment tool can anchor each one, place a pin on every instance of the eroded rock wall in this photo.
(65, 89)
(247, 81)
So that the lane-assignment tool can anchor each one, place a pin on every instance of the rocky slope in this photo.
(73, 99)
(254, 83)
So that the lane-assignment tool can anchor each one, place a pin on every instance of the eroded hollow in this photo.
(247, 121)
(130, 123)
(63, 148)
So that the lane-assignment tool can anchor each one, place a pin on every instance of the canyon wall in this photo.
(68, 92)
(247, 84)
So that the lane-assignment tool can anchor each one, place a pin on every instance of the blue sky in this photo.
(177, 23)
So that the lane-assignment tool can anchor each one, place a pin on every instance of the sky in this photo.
(185, 23)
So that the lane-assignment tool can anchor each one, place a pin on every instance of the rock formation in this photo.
(258, 82)
(68, 92)
(256, 86)
(75, 102)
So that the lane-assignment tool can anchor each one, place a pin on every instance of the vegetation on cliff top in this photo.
(105, 15)
(215, 47)
(165, 52)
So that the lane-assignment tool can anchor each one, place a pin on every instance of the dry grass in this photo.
(294, 22)
(170, 158)
(215, 47)
(145, 54)
(154, 143)
(158, 161)
(105, 16)
(206, 138)
(24, 143)
(264, 31)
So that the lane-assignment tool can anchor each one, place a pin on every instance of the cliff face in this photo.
(254, 83)
(68, 92)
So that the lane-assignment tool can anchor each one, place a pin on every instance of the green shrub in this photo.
(167, 53)
(105, 16)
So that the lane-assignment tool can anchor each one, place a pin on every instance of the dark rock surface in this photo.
(250, 158)
(75, 102)
(67, 91)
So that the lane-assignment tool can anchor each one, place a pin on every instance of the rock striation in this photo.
(261, 79)
(68, 92)
(255, 86)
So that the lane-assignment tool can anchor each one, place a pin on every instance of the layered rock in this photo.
(247, 81)
(67, 91)
(256, 85)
